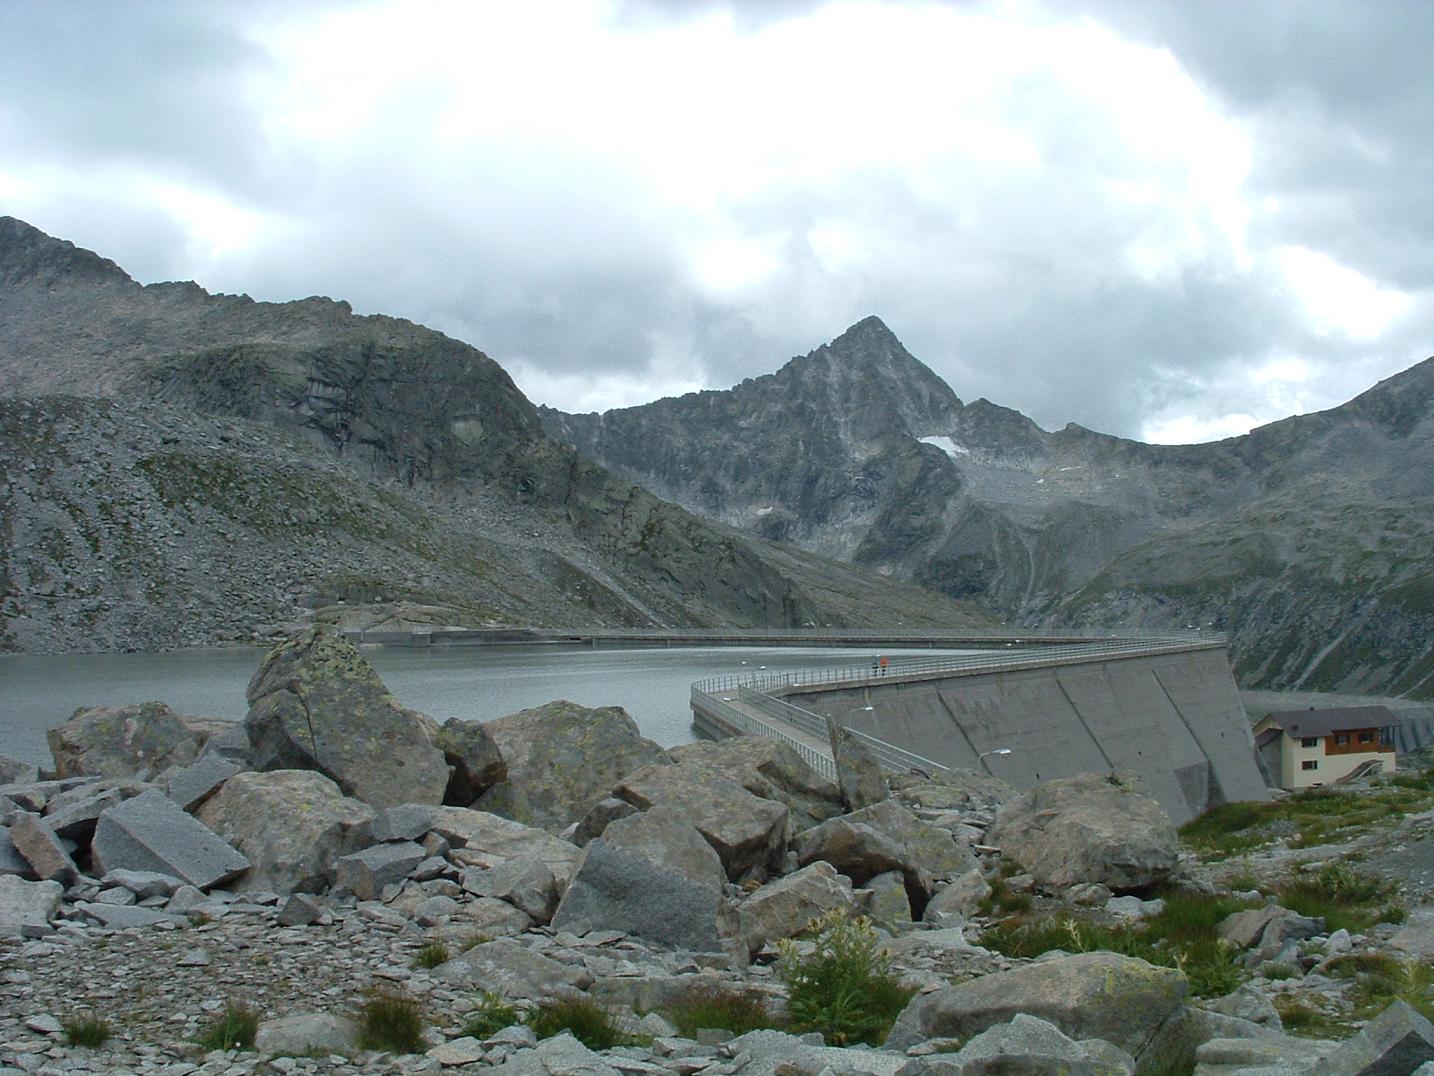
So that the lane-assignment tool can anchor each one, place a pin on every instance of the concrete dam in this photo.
(1167, 710)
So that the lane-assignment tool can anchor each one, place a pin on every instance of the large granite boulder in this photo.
(562, 759)
(1087, 829)
(513, 970)
(473, 757)
(483, 839)
(1032, 1046)
(784, 908)
(26, 908)
(316, 704)
(126, 741)
(748, 833)
(1397, 1041)
(667, 836)
(292, 825)
(1089, 996)
(152, 833)
(770, 771)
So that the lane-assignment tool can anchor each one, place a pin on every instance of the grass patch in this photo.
(844, 988)
(1303, 1019)
(1346, 898)
(474, 940)
(1419, 782)
(232, 1029)
(86, 1029)
(590, 1023)
(491, 1016)
(1182, 936)
(734, 1012)
(431, 955)
(1380, 980)
(1003, 899)
(390, 1021)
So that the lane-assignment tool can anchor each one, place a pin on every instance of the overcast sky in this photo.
(1171, 222)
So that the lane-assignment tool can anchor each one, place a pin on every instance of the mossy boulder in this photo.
(127, 741)
(316, 704)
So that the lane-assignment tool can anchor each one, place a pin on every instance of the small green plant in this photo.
(590, 1023)
(85, 1029)
(431, 955)
(1381, 979)
(735, 1012)
(491, 1016)
(1301, 1018)
(233, 1029)
(1422, 781)
(390, 1021)
(474, 940)
(844, 988)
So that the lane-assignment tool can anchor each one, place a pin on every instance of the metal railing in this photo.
(744, 721)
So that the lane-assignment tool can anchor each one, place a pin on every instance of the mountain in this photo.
(1308, 539)
(180, 468)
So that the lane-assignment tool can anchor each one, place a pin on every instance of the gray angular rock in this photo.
(960, 898)
(525, 882)
(194, 784)
(291, 824)
(494, 839)
(75, 818)
(1089, 996)
(38, 845)
(859, 774)
(770, 771)
(26, 908)
(152, 833)
(561, 1055)
(316, 704)
(123, 917)
(1270, 926)
(512, 969)
(1087, 829)
(667, 836)
(562, 759)
(618, 889)
(15, 772)
(1030, 1045)
(306, 1033)
(406, 822)
(366, 873)
(300, 910)
(888, 904)
(861, 852)
(11, 861)
(1395, 1042)
(772, 1052)
(473, 757)
(937, 851)
(784, 908)
(596, 821)
(143, 884)
(125, 741)
(747, 833)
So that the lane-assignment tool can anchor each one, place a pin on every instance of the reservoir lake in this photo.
(473, 682)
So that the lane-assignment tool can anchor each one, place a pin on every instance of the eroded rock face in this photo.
(562, 759)
(292, 825)
(1087, 829)
(1090, 996)
(125, 741)
(316, 704)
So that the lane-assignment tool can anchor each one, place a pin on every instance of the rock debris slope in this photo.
(180, 468)
(1308, 540)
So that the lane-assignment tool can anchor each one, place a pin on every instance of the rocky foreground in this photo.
(336, 844)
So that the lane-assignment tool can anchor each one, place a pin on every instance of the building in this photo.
(1304, 748)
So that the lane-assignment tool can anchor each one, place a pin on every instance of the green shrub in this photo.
(734, 1012)
(844, 988)
(491, 1016)
(390, 1021)
(1422, 781)
(431, 955)
(590, 1023)
(85, 1029)
(232, 1029)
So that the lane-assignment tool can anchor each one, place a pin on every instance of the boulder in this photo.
(959, 898)
(491, 839)
(292, 825)
(525, 882)
(38, 845)
(774, 1052)
(784, 908)
(1089, 996)
(125, 741)
(194, 784)
(747, 833)
(562, 759)
(474, 760)
(1267, 927)
(1087, 829)
(859, 774)
(305, 1035)
(11, 861)
(1395, 1042)
(667, 836)
(935, 849)
(561, 1055)
(887, 903)
(592, 824)
(366, 873)
(618, 889)
(769, 770)
(75, 814)
(407, 822)
(15, 772)
(26, 908)
(1030, 1045)
(143, 884)
(316, 704)
(152, 833)
(861, 852)
(511, 969)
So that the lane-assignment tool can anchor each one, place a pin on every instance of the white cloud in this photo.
(1338, 298)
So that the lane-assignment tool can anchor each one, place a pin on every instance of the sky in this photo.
(1168, 221)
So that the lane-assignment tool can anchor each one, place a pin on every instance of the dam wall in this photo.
(1174, 718)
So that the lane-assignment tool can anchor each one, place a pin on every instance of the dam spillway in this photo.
(1167, 711)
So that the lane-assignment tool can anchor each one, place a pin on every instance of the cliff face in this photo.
(184, 466)
(1306, 539)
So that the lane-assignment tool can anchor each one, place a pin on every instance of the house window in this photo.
(1341, 739)
(1310, 741)
(1310, 764)
(1366, 737)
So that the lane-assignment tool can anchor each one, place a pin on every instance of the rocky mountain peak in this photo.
(29, 257)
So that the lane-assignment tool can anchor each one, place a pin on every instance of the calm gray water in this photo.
(477, 683)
